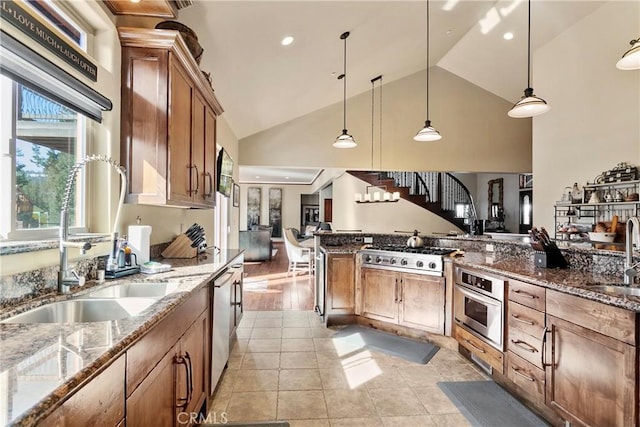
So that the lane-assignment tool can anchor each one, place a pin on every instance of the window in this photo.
(40, 141)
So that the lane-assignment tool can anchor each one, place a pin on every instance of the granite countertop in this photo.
(42, 363)
(347, 248)
(571, 280)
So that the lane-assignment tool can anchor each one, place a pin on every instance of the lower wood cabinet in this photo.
(100, 402)
(592, 372)
(341, 292)
(170, 389)
(479, 348)
(413, 300)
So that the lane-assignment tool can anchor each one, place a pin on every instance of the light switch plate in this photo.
(368, 239)
(489, 247)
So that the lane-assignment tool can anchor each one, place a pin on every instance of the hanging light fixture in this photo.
(529, 105)
(344, 140)
(428, 132)
(631, 58)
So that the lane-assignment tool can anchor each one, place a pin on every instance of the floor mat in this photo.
(408, 349)
(486, 404)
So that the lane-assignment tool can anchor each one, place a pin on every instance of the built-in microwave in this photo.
(478, 305)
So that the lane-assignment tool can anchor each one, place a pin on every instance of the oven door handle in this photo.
(478, 297)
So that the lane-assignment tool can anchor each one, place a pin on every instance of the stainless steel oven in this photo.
(478, 304)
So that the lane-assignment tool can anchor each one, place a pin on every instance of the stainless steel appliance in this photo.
(424, 260)
(236, 295)
(478, 301)
(320, 282)
(221, 319)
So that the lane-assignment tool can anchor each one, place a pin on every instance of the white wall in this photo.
(477, 133)
(594, 121)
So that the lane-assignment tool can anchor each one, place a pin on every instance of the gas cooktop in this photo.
(426, 250)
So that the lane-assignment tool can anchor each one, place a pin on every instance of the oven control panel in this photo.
(403, 262)
(480, 282)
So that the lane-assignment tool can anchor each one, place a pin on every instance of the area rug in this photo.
(408, 349)
(486, 404)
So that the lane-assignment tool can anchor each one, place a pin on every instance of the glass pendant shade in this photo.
(427, 133)
(631, 58)
(344, 140)
(529, 106)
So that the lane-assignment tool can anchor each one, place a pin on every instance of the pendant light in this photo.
(631, 58)
(428, 133)
(344, 140)
(529, 105)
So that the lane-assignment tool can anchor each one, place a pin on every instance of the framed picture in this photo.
(236, 195)
(275, 211)
(254, 197)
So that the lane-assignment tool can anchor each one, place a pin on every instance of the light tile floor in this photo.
(285, 366)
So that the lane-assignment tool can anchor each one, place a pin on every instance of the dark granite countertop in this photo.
(45, 362)
(571, 280)
(347, 248)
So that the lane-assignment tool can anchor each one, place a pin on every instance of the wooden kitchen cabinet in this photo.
(592, 357)
(525, 335)
(168, 369)
(413, 300)
(168, 121)
(340, 298)
(101, 401)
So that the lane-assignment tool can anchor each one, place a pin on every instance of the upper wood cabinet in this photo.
(155, 8)
(168, 124)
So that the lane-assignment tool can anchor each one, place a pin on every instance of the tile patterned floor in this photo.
(285, 366)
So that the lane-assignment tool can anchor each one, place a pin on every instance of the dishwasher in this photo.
(221, 318)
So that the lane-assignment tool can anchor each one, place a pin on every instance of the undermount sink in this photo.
(136, 289)
(617, 289)
(84, 310)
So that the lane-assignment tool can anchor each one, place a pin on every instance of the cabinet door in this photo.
(591, 379)
(143, 127)
(101, 399)
(422, 302)
(197, 150)
(195, 349)
(181, 94)
(380, 294)
(209, 173)
(154, 401)
(341, 291)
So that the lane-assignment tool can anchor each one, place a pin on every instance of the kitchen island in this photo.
(45, 363)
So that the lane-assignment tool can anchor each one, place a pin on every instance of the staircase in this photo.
(438, 192)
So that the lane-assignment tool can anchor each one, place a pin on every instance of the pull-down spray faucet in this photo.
(67, 277)
(633, 229)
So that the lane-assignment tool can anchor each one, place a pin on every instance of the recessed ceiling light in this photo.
(287, 41)
(286, 177)
(257, 176)
(449, 32)
(508, 35)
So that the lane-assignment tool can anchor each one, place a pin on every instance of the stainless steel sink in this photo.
(136, 289)
(84, 310)
(617, 289)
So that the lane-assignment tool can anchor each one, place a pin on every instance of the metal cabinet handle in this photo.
(401, 293)
(518, 291)
(187, 356)
(524, 345)
(197, 180)
(396, 291)
(210, 193)
(518, 319)
(480, 349)
(519, 373)
(544, 345)
(182, 402)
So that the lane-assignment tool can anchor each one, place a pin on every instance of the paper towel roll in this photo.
(139, 240)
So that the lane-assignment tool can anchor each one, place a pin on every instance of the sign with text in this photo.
(23, 19)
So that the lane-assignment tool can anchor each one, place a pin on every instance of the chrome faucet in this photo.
(630, 272)
(67, 277)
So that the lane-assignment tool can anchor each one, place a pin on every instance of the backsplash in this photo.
(21, 287)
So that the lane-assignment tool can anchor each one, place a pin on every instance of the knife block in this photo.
(552, 258)
(180, 248)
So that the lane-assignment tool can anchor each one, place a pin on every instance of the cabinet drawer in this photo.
(526, 376)
(525, 319)
(478, 347)
(526, 346)
(527, 294)
(611, 321)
